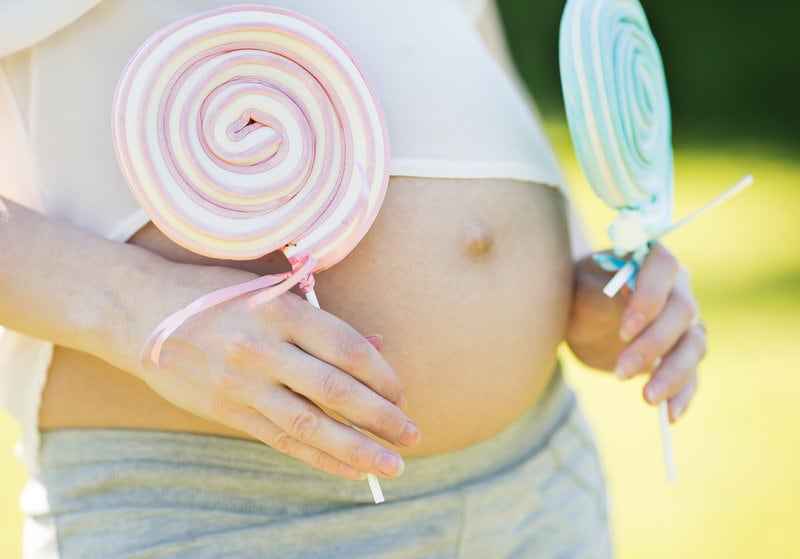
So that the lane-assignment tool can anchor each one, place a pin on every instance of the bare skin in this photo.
(471, 303)
(466, 347)
(469, 284)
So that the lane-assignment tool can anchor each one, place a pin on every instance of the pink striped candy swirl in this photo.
(246, 130)
(249, 129)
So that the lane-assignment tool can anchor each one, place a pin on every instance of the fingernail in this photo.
(655, 391)
(632, 324)
(376, 340)
(389, 464)
(628, 365)
(677, 410)
(410, 435)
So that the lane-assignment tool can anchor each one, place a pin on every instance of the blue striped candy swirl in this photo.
(617, 107)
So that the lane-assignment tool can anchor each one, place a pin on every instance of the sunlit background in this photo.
(733, 70)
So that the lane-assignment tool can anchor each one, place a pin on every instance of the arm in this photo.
(259, 371)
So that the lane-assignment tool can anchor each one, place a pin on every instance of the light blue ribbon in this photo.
(612, 263)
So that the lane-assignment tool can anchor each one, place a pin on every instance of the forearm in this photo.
(82, 291)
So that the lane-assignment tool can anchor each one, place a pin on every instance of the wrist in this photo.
(144, 291)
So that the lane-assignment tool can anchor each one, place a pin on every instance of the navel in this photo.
(476, 240)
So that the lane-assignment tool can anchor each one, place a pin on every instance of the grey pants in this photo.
(534, 490)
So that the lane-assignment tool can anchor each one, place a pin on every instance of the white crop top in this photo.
(451, 112)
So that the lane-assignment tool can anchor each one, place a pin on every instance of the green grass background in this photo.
(737, 449)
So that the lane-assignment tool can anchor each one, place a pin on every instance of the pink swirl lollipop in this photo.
(246, 130)
(617, 107)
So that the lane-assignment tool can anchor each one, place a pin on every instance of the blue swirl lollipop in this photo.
(617, 108)
(618, 113)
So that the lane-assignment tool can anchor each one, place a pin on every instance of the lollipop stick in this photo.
(666, 441)
(740, 185)
(374, 485)
(311, 297)
(663, 410)
(619, 279)
(624, 273)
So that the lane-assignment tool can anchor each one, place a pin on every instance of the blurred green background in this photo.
(732, 67)
(733, 70)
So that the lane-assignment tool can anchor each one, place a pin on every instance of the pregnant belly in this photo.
(468, 282)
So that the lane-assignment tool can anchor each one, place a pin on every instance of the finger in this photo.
(336, 390)
(679, 403)
(252, 422)
(330, 339)
(677, 368)
(303, 424)
(661, 335)
(654, 282)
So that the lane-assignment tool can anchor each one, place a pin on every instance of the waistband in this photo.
(533, 490)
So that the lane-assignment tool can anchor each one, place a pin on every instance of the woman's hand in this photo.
(272, 370)
(654, 328)
(267, 372)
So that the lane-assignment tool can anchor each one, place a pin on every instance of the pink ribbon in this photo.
(272, 285)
